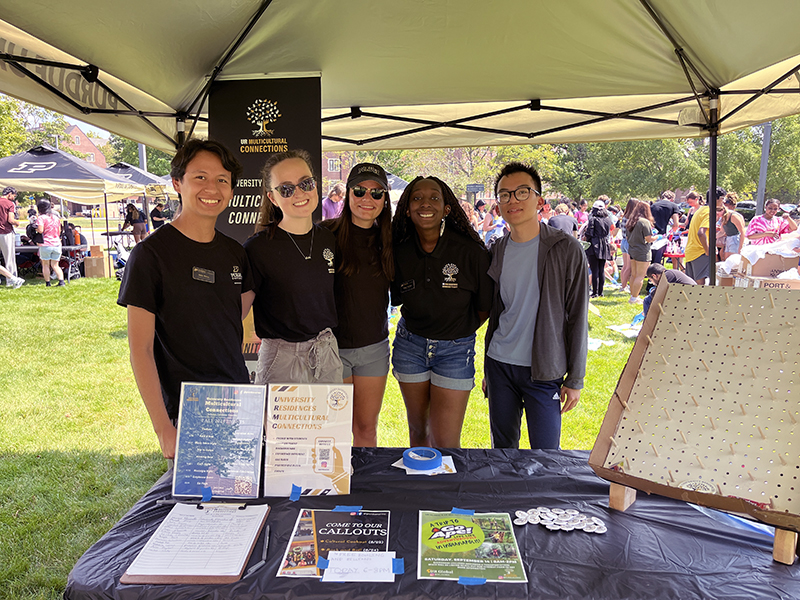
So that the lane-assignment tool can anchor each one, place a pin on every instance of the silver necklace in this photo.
(310, 250)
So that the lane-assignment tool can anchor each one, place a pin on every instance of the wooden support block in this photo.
(621, 497)
(785, 548)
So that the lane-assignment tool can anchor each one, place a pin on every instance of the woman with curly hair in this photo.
(293, 271)
(364, 270)
(442, 283)
(640, 236)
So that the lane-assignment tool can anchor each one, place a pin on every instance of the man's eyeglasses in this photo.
(360, 192)
(521, 194)
(287, 189)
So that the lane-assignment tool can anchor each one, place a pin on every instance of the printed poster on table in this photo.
(218, 450)
(318, 532)
(309, 439)
(481, 546)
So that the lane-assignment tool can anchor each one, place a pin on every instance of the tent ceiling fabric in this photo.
(431, 61)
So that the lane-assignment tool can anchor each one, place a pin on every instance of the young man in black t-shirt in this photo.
(183, 290)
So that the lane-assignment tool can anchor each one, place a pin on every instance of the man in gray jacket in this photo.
(537, 336)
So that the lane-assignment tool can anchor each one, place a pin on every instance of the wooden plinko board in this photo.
(707, 409)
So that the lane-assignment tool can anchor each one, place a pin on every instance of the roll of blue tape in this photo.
(422, 459)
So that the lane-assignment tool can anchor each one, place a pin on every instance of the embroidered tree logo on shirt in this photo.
(327, 254)
(449, 272)
(262, 113)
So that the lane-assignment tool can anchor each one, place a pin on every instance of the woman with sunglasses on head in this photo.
(442, 283)
(293, 269)
(364, 270)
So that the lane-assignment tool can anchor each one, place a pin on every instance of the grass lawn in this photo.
(76, 446)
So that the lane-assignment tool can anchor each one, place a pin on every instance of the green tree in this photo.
(13, 131)
(125, 150)
(783, 174)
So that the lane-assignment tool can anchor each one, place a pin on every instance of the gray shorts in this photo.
(314, 361)
(732, 243)
(367, 361)
(698, 268)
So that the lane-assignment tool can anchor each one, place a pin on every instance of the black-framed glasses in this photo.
(522, 193)
(360, 192)
(287, 189)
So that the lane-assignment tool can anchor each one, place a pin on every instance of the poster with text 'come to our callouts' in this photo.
(309, 439)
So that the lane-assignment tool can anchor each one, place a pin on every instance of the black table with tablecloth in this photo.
(659, 548)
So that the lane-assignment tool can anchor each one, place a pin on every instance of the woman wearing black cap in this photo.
(442, 282)
(364, 270)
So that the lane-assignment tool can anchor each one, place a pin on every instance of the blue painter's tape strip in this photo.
(347, 509)
(322, 563)
(471, 580)
(398, 566)
(462, 511)
(295, 495)
(422, 459)
(206, 494)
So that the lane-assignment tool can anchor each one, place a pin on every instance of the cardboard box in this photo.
(96, 266)
(96, 251)
(769, 266)
(770, 283)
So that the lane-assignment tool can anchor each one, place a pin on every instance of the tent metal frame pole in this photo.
(760, 93)
(200, 99)
(712, 190)
(108, 231)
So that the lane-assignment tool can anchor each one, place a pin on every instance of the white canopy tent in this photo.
(416, 73)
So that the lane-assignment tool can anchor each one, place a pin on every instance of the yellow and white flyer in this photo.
(309, 439)
(479, 547)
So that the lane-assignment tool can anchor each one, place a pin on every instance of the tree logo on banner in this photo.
(262, 113)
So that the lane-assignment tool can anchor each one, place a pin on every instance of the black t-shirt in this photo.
(362, 299)
(195, 292)
(443, 291)
(294, 296)
(674, 276)
(565, 223)
(156, 214)
(662, 213)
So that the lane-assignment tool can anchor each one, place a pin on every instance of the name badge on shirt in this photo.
(204, 275)
(407, 286)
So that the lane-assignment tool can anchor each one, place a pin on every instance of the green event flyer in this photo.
(481, 546)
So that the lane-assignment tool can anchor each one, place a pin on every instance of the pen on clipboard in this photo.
(263, 561)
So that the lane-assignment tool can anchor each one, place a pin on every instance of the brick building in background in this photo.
(80, 142)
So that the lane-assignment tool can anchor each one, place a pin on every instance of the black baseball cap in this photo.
(366, 172)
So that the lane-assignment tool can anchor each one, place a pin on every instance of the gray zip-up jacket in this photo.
(561, 338)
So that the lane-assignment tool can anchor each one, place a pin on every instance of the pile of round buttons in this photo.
(559, 519)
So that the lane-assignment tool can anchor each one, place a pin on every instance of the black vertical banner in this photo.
(257, 118)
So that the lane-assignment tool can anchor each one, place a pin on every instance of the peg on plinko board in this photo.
(736, 354)
(628, 463)
(684, 295)
(639, 425)
(761, 333)
(690, 345)
(652, 392)
(678, 377)
(744, 413)
(675, 327)
(671, 476)
(695, 400)
(744, 316)
(771, 300)
(705, 364)
(666, 412)
(654, 450)
(717, 332)
(621, 401)
(727, 299)
(783, 360)
(649, 340)
(719, 489)
(713, 426)
(660, 309)
(702, 466)
(685, 441)
(783, 460)
(613, 441)
(763, 437)
(791, 417)
(771, 393)
(733, 452)
(751, 476)
(722, 385)
(664, 359)
(702, 316)
(753, 371)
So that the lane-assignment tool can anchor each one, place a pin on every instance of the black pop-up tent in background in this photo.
(55, 172)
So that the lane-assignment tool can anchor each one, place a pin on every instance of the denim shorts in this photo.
(50, 252)
(448, 364)
(367, 361)
(624, 246)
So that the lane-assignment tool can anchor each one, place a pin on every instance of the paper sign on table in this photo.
(359, 566)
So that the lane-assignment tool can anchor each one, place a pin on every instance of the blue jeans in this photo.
(511, 390)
